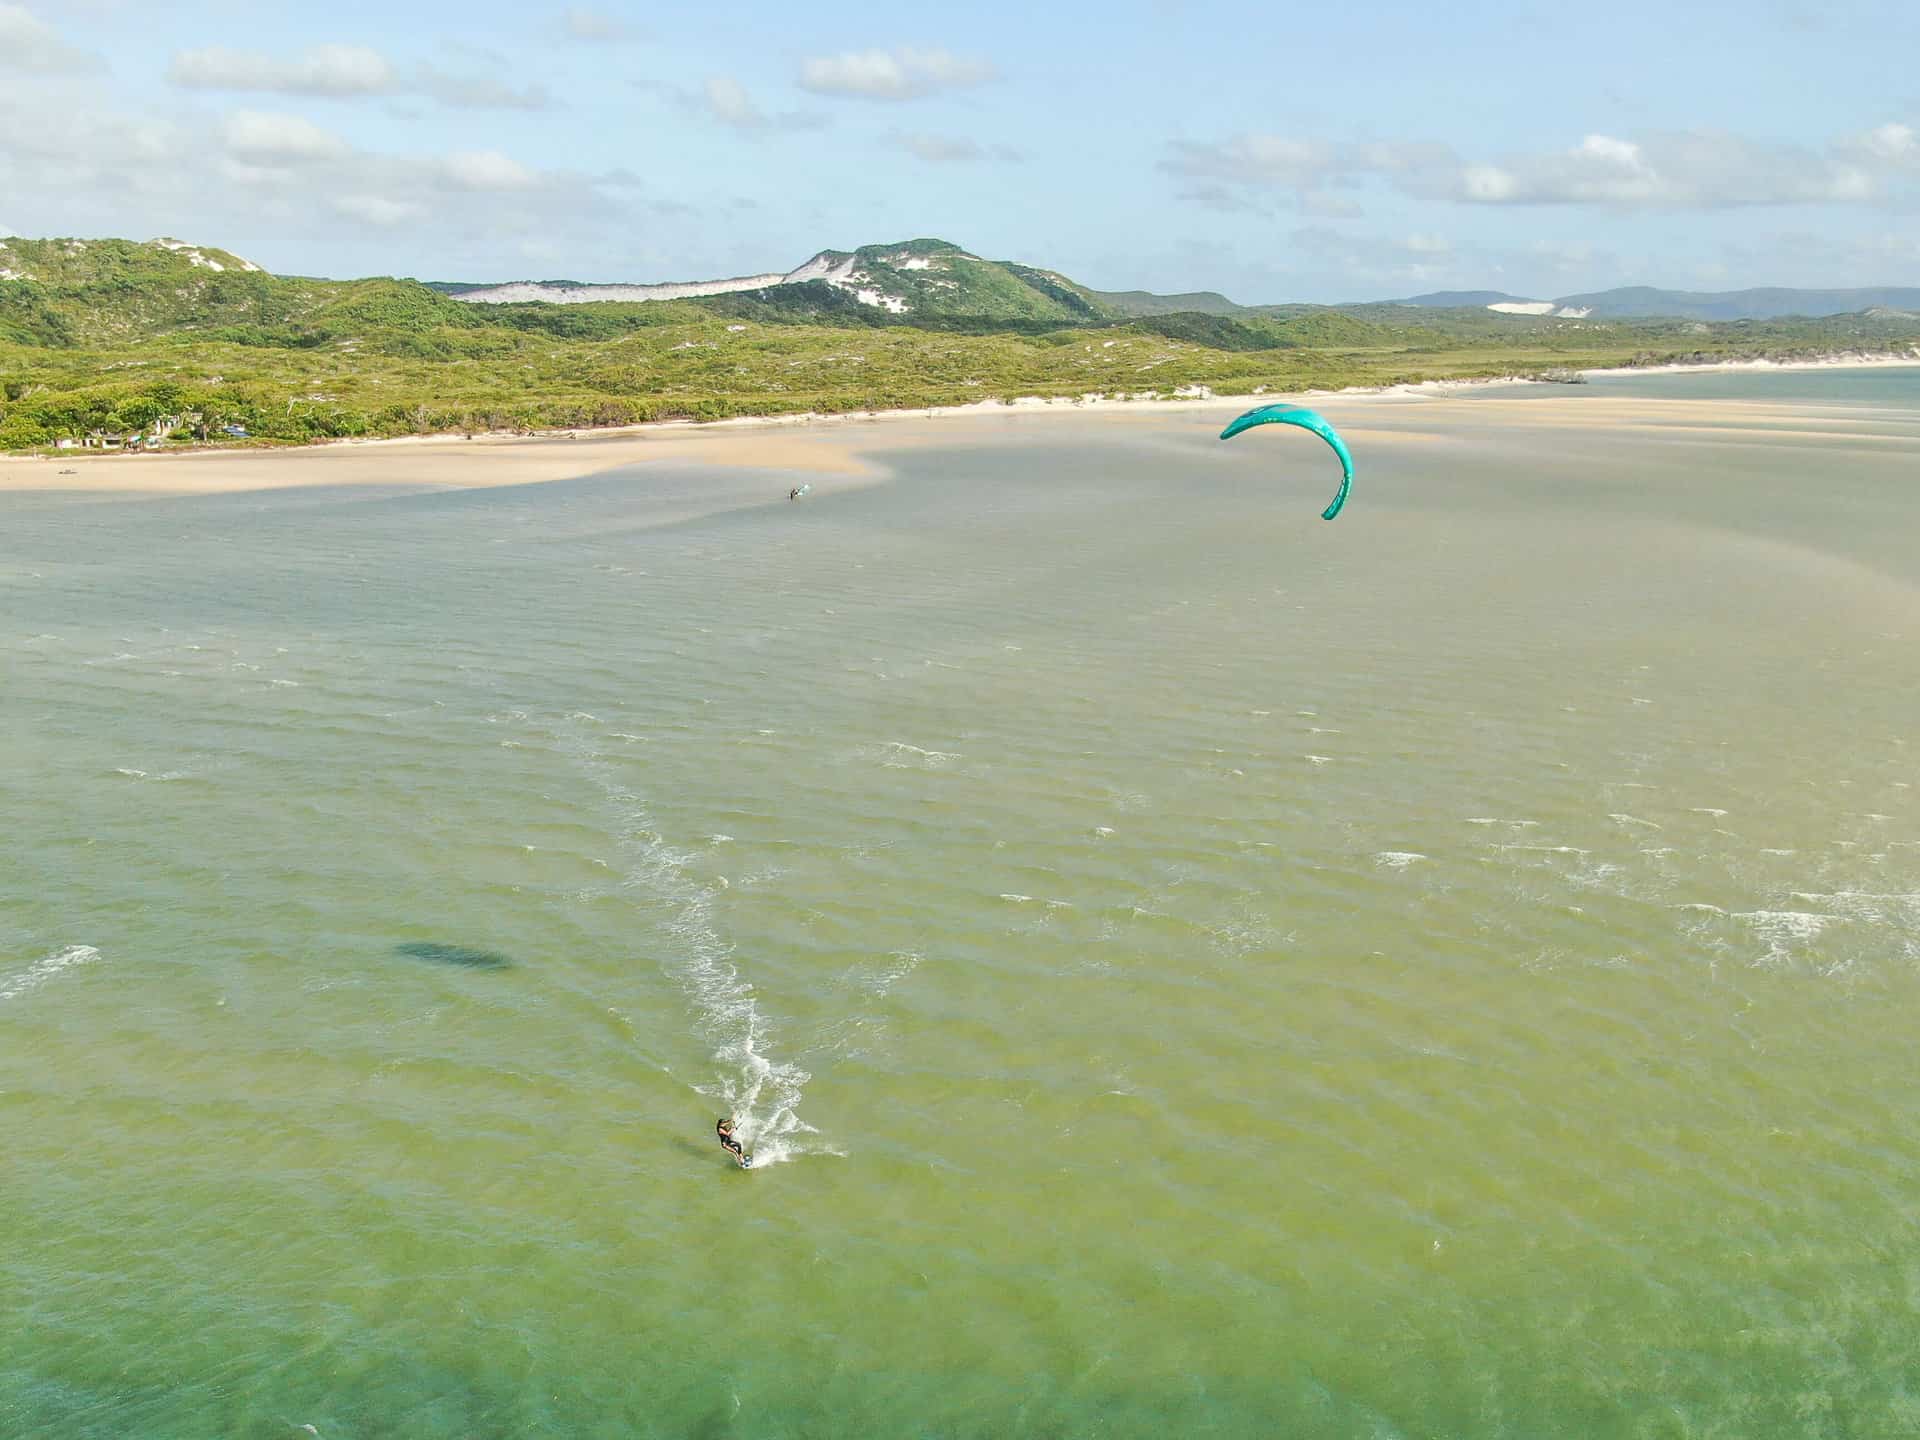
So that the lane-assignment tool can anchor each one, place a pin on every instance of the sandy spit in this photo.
(850, 448)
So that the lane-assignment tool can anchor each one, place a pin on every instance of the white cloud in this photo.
(246, 174)
(725, 99)
(1680, 170)
(29, 43)
(1487, 183)
(478, 92)
(326, 70)
(259, 135)
(1223, 200)
(903, 74)
(592, 26)
(728, 102)
(955, 150)
(942, 149)
(1894, 143)
(487, 170)
(376, 209)
(1255, 159)
(1233, 173)
(1399, 157)
(1325, 205)
(1422, 258)
(1672, 170)
(285, 190)
(343, 72)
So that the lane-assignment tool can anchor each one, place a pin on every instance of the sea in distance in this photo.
(1185, 968)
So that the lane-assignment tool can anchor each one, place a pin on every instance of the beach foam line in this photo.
(25, 982)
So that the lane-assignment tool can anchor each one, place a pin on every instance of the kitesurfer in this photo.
(723, 1127)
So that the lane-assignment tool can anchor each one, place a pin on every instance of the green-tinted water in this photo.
(1189, 968)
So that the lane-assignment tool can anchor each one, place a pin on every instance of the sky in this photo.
(1270, 152)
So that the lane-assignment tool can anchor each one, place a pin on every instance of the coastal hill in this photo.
(1463, 300)
(1643, 301)
(927, 279)
(936, 280)
(105, 341)
(77, 292)
(1144, 302)
(64, 293)
(1763, 304)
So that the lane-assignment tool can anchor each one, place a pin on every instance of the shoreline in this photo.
(808, 443)
(1840, 360)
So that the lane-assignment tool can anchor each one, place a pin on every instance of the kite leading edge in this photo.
(1307, 420)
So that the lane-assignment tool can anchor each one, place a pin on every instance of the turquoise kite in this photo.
(1307, 420)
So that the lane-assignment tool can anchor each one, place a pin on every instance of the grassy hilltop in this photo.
(114, 335)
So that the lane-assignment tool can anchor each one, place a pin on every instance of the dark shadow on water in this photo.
(462, 955)
(719, 1423)
(709, 1152)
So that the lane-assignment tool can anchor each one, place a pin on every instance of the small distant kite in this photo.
(1307, 420)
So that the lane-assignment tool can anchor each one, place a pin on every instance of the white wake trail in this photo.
(26, 981)
(762, 1094)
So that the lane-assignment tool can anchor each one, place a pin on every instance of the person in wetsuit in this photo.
(723, 1127)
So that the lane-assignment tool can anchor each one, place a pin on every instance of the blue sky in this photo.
(1274, 153)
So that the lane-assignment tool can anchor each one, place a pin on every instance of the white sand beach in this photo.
(848, 447)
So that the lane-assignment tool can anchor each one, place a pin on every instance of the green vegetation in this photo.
(1130, 303)
(115, 337)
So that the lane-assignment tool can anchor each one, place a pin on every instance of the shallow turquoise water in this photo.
(1186, 967)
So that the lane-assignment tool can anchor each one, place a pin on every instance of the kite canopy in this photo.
(1307, 420)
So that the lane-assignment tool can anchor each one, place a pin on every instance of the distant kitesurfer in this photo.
(794, 493)
(723, 1127)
